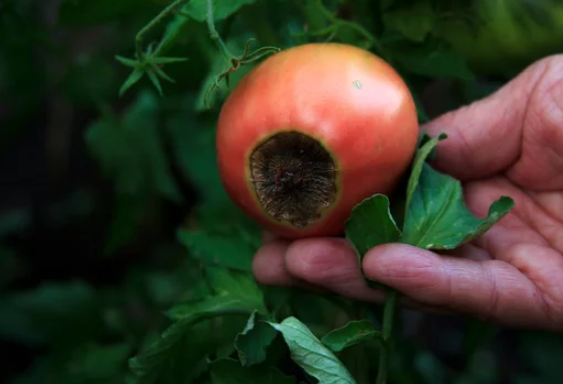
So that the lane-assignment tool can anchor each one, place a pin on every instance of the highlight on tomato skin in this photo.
(311, 132)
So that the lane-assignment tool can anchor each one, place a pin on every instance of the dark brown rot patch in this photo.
(294, 177)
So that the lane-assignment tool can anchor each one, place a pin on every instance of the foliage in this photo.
(137, 267)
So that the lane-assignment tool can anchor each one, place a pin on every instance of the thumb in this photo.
(485, 137)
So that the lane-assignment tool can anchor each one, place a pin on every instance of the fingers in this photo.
(485, 137)
(328, 263)
(490, 289)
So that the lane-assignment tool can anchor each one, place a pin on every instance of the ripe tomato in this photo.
(311, 132)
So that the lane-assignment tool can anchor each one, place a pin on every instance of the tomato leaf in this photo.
(229, 371)
(350, 334)
(228, 282)
(221, 8)
(431, 60)
(51, 314)
(229, 251)
(172, 348)
(210, 304)
(414, 20)
(192, 142)
(427, 146)
(252, 342)
(371, 224)
(310, 354)
(132, 154)
(438, 218)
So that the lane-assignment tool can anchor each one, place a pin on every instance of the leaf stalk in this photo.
(387, 328)
(139, 37)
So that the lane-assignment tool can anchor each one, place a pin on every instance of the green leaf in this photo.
(229, 371)
(131, 80)
(252, 342)
(193, 148)
(86, 364)
(229, 282)
(438, 218)
(127, 62)
(154, 80)
(371, 224)
(311, 355)
(217, 249)
(131, 152)
(431, 61)
(427, 146)
(167, 60)
(172, 355)
(350, 334)
(236, 303)
(221, 8)
(414, 21)
(55, 314)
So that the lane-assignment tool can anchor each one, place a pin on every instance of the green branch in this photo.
(139, 38)
(388, 315)
(213, 32)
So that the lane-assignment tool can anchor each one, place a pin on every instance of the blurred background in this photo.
(94, 188)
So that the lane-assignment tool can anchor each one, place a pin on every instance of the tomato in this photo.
(312, 131)
(506, 35)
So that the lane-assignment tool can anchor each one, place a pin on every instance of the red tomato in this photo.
(311, 132)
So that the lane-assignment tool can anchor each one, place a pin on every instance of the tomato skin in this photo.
(349, 99)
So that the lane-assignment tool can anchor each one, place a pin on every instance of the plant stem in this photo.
(152, 24)
(214, 34)
(388, 315)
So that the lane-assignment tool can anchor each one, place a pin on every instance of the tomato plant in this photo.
(310, 133)
(146, 145)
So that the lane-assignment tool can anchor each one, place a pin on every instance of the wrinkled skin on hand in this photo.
(510, 143)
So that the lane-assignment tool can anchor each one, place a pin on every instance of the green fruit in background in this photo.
(505, 34)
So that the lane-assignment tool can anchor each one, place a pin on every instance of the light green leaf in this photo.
(217, 249)
(230, 282)
(438, 218)
(252, 342)
(350, 334)
(229, 371)
(311, 355)
(131, 80)
(427, 146)
(221, 8)
(414, 20)
(371, 224)
(154, 80)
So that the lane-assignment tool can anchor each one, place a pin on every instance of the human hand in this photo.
(510, 143)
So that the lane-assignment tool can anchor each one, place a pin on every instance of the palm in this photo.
(527, 243)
